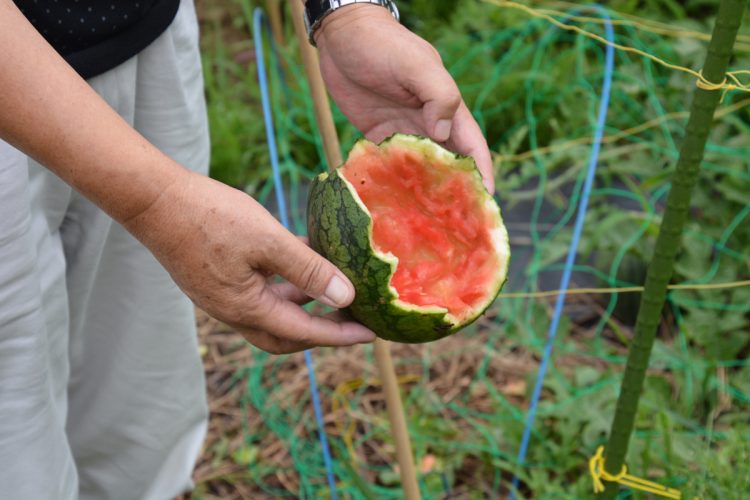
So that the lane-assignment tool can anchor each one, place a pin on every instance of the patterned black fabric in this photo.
(95, 36)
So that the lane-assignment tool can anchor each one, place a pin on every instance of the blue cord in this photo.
(578, 227)
(279, 188)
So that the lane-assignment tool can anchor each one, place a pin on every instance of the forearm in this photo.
(50, 113)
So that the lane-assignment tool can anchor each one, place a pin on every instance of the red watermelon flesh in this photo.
(427, 214)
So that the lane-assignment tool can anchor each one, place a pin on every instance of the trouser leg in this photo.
(101, 386)
(137, 408)
(35, 458)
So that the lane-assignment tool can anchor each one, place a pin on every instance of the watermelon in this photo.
(416, 232)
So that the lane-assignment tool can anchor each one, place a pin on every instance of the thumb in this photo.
(299, 264)
(435, 88)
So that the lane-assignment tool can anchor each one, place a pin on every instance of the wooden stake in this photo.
(323, 114)
(273, 7)
(382, 349)
(395, 409)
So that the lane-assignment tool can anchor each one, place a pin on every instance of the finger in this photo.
(434, 86)
(286, 320)
(405, 124)
(273, 345)
(291, 292)
(337, 316)
(299, 264)
(467, 139)
(287, 291)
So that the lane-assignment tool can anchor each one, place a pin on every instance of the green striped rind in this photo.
(340, 229)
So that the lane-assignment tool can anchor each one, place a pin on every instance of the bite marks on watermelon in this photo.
(426, 213)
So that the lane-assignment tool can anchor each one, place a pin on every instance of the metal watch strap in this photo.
(317, 10)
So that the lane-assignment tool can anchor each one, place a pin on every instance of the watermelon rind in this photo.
(340, 229)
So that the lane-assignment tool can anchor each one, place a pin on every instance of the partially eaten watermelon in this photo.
(416, 232)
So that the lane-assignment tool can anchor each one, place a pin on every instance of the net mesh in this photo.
(534, 90)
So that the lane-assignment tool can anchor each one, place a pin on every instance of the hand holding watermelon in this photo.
(222, 247)
(386, 79)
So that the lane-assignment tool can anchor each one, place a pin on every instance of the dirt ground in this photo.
(222, 471)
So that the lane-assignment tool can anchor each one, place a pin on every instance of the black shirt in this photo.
(95, 36)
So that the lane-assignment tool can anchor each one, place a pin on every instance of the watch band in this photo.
(317, 10)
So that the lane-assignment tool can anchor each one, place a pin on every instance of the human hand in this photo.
(222, 248)
(386, 79)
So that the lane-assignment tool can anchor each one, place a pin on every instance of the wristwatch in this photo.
(317, 10)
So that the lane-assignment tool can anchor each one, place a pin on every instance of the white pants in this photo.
(102, 394)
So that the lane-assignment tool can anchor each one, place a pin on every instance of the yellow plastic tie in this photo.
(599, 474)
(704, 84)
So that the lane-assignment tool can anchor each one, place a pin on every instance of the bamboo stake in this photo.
(383, 359)
(276, 20)
(661, 266)
(273, 7)
(404, 455)
(323, 114)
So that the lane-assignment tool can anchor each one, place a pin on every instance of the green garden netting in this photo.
(534, 89)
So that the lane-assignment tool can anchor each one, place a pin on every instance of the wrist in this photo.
(158, 222)
(347, 15)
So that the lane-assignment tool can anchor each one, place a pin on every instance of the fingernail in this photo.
(337, 293)
(365, 337)
(442, 130)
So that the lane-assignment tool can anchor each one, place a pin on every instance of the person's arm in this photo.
(386, 79)
(217, 243)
